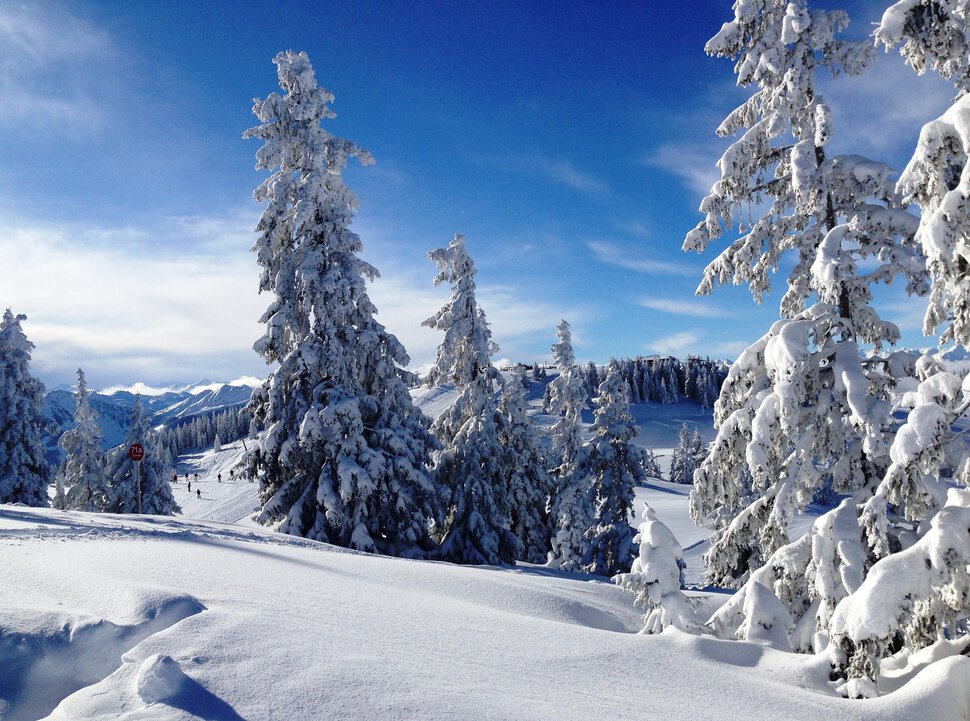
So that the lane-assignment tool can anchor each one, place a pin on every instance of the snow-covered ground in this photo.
(234, 500)
(210, 616)
(111, 617)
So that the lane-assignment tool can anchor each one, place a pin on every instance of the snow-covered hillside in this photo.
(108, 617)
(217, 492)
(210, 616)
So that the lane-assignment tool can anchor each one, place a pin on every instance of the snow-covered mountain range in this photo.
(113, 407)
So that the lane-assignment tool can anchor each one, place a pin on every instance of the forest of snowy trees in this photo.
(813, 408)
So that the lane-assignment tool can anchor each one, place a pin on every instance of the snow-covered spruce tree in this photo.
(537, 371)
(82, 474)
(614, 467)
(23, 470)
(687, 456)
(153, 472)
(918, 597)
(345, 454)
(937, 179)
(657, 577)
(467, 343)
(529, 481)
(801, 406)
(570, 506)
(651, 465)
(473, 466)
(592, 378)
(931, 34)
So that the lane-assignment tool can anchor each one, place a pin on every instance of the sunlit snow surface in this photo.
(208, 616)
(263, 626)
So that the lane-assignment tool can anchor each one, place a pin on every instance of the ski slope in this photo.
(231, 500)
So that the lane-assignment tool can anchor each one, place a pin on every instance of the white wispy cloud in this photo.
(729, 349)
(634, 227)
(56, 68)
(119, 303)
(907, 314)
(565, 173)
(613, 254)
(557, 170)
(178, 301)
(677, 344)
(879, 113)
(694, 162)
(516, 319)
(694, 308)
(515, 316)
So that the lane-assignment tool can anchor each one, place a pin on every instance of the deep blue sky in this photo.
(570, 142)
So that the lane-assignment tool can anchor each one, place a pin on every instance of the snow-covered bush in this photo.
(909, 600)
(345, 455)
(657, 578)
(808, 577)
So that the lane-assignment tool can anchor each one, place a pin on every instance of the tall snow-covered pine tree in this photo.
(614, 467)
(801, 406)
(570, 507)
(473, 467)
(916, 593)
(529, 482)
(464, 354)
(345, 454)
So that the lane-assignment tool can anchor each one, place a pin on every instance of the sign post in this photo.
(136, 452)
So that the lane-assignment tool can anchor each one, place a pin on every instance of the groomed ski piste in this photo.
(208, 615)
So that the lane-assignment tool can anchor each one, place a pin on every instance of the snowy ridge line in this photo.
(671, 491)
(696, 544)
(156, 528)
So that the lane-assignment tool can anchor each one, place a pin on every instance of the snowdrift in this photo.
(111, 617)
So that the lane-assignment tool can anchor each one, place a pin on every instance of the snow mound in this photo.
(160, 679)
(47, 656)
